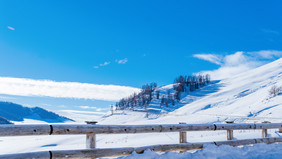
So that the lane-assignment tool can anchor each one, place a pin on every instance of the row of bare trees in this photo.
(181, 84)
(141, 99)
(189, 84)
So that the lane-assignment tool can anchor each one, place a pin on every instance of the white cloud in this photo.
(123, 61)
(101, 65)
(82, 112)
(105, 63)
(87, 107)
(93, 108)
(30, 87)
(238, 62)
(216, 59)
(11, 28)
(235, 59)
(227, 71)
(270, 31)
(6, 98)
(267, 54)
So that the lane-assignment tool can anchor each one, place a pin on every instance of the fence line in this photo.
(57, 129)
(114, 152)
(91, 130)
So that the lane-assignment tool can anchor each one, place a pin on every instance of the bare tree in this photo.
(274, 91)
(158, 94)
(162, 101)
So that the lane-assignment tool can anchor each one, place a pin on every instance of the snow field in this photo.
(243, 98)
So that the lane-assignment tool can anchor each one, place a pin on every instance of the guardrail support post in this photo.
(182, 136)
(91, 137)
(264, 131)
(229, 132)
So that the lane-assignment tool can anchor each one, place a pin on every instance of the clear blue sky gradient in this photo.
(64, 40)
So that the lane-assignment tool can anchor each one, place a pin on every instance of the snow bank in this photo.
(258, 151)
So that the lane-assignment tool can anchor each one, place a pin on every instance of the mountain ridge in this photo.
(16, 112)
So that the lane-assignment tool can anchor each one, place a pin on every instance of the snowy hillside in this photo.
(16, 112)
(162, 100)
(243, 98)
(155, 107)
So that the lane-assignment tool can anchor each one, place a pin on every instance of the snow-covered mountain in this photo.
(4, 121)
(18, 113)
(243, 98)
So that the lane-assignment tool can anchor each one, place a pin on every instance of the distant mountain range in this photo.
(16, 112)
(4, 121)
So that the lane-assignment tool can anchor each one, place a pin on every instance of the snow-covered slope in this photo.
(258, 151)
(243, 98)
(186, 98)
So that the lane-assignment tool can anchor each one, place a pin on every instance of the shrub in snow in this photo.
(274, 91)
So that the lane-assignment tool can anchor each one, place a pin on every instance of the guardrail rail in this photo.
(91, 129)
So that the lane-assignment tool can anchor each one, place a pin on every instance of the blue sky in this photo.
(131, 43)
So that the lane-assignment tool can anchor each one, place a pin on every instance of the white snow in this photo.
(244, 98)
(258, 151)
